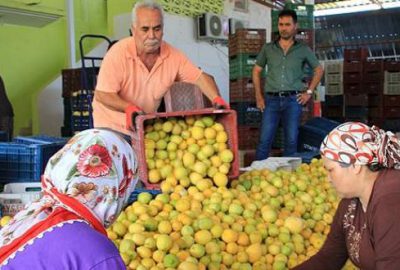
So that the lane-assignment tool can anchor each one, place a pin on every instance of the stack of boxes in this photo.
(244, 47)
(356, 95)
(369, 92)
(391, 97)
(333, 105)
(76, 100)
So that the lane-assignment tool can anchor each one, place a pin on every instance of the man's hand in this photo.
(219, 103)
(303, 98)
(130, 113)
(260, 102)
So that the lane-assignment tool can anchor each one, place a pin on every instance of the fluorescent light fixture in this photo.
(26, 17)
(343, 10)
(391, 4)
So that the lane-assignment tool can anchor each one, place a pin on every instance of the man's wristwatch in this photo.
(309, 92)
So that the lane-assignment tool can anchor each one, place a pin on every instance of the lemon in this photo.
(5, 220)
(164, 242)
(197, 132)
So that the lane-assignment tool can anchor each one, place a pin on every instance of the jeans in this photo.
(276, 109)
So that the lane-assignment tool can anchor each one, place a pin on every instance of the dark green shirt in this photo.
(285, 72)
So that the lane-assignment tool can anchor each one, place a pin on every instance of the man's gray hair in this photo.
(150, 4)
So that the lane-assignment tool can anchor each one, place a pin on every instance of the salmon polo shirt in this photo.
(124, 73)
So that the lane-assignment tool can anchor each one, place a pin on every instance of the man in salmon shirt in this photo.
(137, 72)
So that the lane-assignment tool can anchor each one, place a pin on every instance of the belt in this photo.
(283, 93)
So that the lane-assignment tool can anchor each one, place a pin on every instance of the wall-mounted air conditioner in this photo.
(18, 16)
(235, 24)
(212, 26)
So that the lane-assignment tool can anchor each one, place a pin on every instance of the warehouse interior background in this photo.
(41, 38)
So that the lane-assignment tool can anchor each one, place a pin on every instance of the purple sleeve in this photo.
(114, 263)
(333, 254)
(72, 246)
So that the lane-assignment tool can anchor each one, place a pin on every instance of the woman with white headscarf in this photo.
(86, 185)
(363, 166)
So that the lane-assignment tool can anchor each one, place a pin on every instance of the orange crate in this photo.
(226, 117)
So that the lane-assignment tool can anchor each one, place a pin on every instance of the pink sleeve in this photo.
(187, 72)
(111, 71)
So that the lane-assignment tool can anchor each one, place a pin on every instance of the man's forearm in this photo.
(112, 101)
(257, 81)
(208, 86)
(318, 72)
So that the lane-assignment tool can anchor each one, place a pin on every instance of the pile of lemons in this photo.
(187, 150)
(264, 220)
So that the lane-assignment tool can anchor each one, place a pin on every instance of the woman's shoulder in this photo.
(83, 234)
(387, 183)
(71, 246)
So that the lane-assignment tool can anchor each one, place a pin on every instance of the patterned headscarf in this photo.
(357, 143)
(88, 180)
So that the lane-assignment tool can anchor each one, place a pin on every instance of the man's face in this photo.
(287, 28)
(148, 30)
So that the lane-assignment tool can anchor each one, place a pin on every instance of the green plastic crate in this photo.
(241, 65)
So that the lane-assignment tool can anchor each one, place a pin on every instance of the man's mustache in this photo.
(152, 42)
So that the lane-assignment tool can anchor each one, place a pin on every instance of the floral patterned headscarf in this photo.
(88, 180)
(357, 143)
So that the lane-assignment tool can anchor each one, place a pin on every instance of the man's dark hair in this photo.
(288, 13)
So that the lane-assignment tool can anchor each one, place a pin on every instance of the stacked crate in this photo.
(356, 98)
(333, 105)
(244, 47)
(391, 97)
(76, 100)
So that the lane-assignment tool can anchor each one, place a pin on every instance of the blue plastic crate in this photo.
(310, 138)
(25, 159)
(3, 136)
(136, 192)
(247, 113)
(322, 123)
(40, 139)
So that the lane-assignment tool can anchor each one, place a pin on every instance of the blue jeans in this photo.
(276, 109)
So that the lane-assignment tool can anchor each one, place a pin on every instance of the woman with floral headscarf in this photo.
(86, 185)
(362, 164)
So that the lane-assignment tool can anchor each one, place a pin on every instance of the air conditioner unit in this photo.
(26, 17)
(235, 24)
(212, 26)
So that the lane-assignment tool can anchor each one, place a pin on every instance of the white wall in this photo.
(180, 32)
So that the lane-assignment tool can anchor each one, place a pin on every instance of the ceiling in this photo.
(328, 4)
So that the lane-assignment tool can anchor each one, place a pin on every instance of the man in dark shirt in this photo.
(6, 112)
